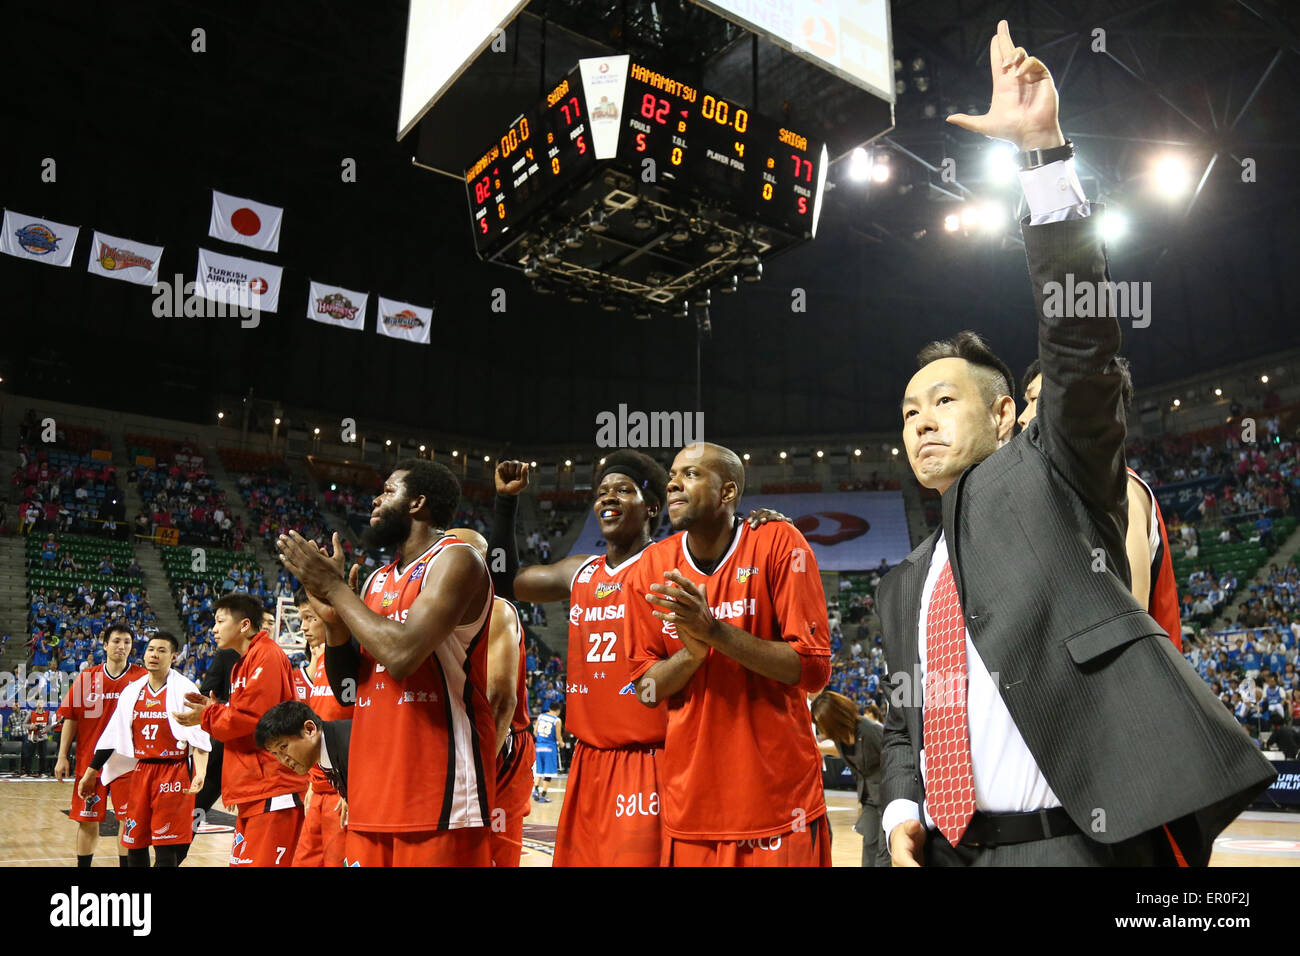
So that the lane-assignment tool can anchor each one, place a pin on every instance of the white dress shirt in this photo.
(1007, 778)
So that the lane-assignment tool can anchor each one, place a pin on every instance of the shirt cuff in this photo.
(897, 812)
(1054, 193)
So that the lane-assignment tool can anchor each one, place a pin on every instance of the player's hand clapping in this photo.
(316, 570)
(684, 606)
(511, 477)
(196, 704)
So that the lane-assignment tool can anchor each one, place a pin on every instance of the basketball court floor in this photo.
(35, 831)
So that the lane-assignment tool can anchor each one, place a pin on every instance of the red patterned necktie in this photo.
(949, 777)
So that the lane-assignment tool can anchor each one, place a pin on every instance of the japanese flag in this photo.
(246, 222)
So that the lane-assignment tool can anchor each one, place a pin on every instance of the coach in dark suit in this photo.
(1038, 715)
(300, 740)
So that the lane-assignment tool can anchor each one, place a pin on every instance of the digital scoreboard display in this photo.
(613, 108)
(541, 151)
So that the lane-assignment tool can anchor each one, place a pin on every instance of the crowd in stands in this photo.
(874, 483)
(279, 504)
(64, 624)
(185, 497)
(60, 485)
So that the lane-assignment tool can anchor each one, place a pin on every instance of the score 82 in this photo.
(654, 108)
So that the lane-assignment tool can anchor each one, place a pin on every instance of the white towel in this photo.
(117, 735)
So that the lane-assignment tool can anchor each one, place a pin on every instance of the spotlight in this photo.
(880, 171)
(553, 252)
(568, 463)
(701, 298)
(715, 244)
(1113, 224)
(748, 254)
(608, 304)
(487, 457)
(454, 453)
(1218, 393)
(729, 285)
(680, 231)
(220, 415)
(532, 268)
(859, 165)
(421, 448)
(752, 273)
(893, 451)
(316, 431)
(951, 222)
(388, 442)
(1264, 379)
(596, 221)
(574, 238)
(602, 461)
(820, 453)
(277, 421)
(643, 220)
(1177, 403)
(532, 464)
(1172, 176)
(333, 487)
(783, 456)
(1001, 164)
(745, 456)
(857, 452)
(918, 64)
(922, 83)
(970, 215)
(576, 294)
(641, 313)
(992, 216)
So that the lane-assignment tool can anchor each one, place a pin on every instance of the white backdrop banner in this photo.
(335, 305)
(41, 240)
(238, 281)
(401, 320)
(125, 259)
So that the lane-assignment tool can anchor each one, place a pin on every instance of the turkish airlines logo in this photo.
(849, 527)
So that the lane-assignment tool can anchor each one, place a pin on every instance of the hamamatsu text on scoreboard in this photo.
(616, 109)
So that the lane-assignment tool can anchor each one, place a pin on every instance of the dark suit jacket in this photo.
(338, 738)
(1125, 732)
(863, 759)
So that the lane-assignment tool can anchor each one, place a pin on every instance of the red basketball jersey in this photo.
(520, 719)
(91, 701)
(740, 760)
(601, 706)
(1162, 600)
(151, 733)
(417, 752)
(301, 684)
(326, 706)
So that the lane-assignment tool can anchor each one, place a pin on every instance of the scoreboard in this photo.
(688, 141)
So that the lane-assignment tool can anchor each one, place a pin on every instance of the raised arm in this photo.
(537, 583)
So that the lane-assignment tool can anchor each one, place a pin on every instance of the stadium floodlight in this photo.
(970, 215)
(487, 457)
(993, 217)
(1178, 403)
(893, 451)
(277, 421)
(1218, 393)
(820, 453)
(951, 222)
(454, 453)
(532, 464)
(220, 415)
(745, 456)
(1000, 162)
(859, 165)
(1172, 177)
(1113, 224)
(857, 452)
(1264, 379)
(316, 431)
(568, 463)
(421, 448)
(388, 442)
(880, 169)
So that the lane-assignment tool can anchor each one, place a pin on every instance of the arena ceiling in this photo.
(141, 128)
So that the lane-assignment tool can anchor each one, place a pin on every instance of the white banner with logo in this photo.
(238, 281)
(335, 305)
(603, 80)
(42, 240)
(246, 222)
(401, 320)
(115, 258)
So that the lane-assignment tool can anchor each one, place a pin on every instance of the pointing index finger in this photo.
(1005, 46)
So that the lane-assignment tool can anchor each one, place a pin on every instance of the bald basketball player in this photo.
(727, 624)
(1150, 565)
(507, 694)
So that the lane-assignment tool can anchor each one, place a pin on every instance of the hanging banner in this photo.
(42, 240)
(124, 259)
(401, 320)
(335, 305)
(236, 281)
(246, 222)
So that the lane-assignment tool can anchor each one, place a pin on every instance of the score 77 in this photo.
(597, 654)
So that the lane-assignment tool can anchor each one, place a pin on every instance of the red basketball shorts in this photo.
(610, 815)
